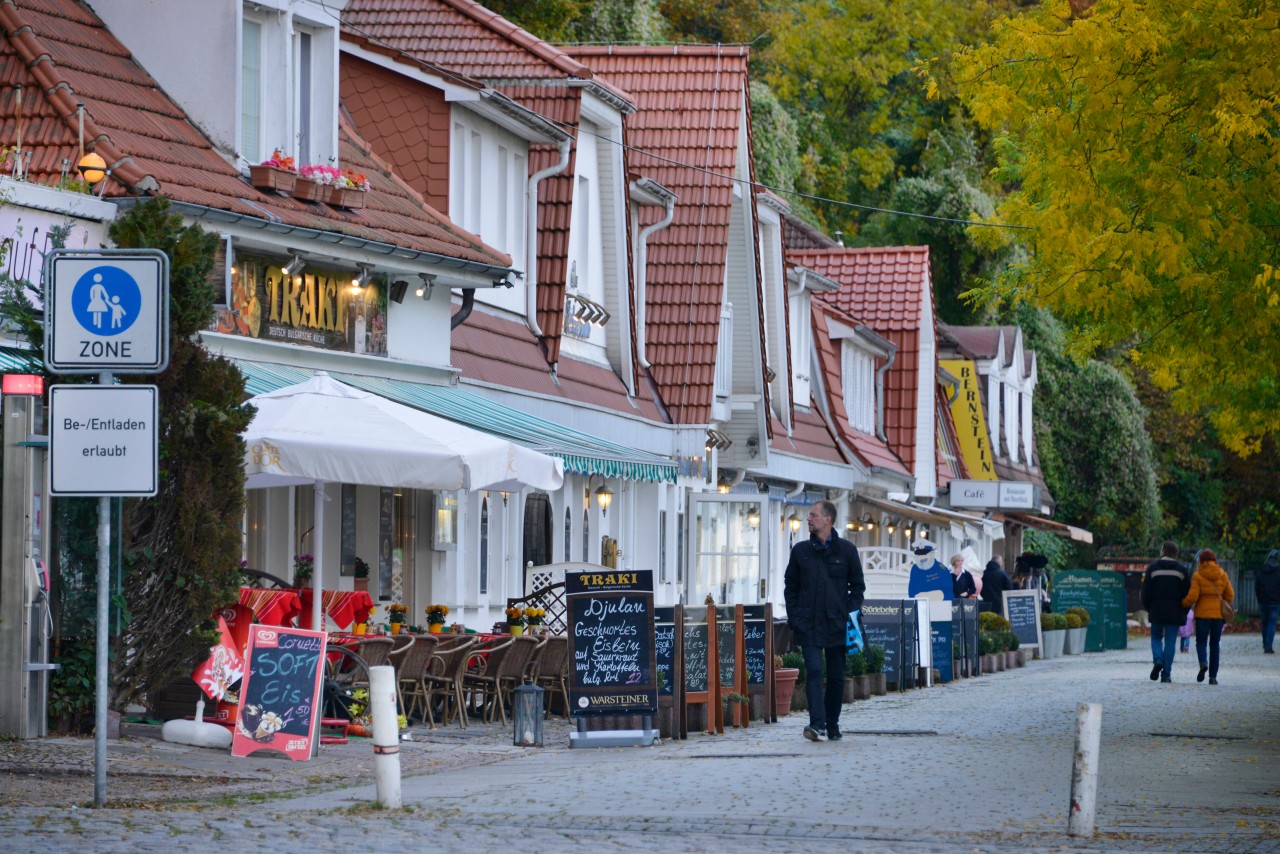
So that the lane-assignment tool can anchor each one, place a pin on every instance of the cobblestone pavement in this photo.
(983, 764)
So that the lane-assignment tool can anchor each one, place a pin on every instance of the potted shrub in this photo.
(435, 618)
(1076, 635)
(987, 648)
(1010, 643)
(784, 686)
(855, 668)
(303, 566)
(1054, 632)
(515, 620)
(361, 575)
(1073, 642)
(794, 660)
(398, 615)
(875, 669)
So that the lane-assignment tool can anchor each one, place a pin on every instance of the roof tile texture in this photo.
(683, 135)
(886, 288)
(144, 135)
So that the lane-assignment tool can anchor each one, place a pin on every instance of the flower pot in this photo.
(272, 178)
(784, 686)
(862, 687)
(362, 584)
(347, 197)
(988, 663)
(395, 628)
(361, 628)
(1010, 659)
(515, 630)
(1020, 658)
(1053, 642)
(307, 190)
(879, 684)
(435, 628)
(1074, 644)
(850, 692)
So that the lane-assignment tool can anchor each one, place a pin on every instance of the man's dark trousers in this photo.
(824, 707)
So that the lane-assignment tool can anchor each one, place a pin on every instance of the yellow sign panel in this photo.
(970, 420)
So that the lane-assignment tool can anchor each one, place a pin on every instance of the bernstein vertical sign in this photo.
(612, 667)
(971, 420)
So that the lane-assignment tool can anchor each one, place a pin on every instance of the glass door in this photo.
(728, 548)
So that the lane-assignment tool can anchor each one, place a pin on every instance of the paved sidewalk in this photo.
(982, 764)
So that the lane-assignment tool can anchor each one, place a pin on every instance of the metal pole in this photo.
(100, 678)
(1084, 771)
(101, 641)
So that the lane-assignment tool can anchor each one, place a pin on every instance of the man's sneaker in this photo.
(1204, 668)
(834, 735)
(811, 734)
(1166, 679)
(1213, 681)
(1269, 651)
(1155, 671)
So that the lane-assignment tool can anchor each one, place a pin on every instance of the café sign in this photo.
(995, 494)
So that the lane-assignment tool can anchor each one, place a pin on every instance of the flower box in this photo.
(347, 197)
(272, 178)
(307, 190)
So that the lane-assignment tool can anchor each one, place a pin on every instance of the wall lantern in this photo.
(753, 518)
(604, 497)
(723, 486)
(793, 521)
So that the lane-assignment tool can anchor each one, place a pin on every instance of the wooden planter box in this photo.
(347, 197)
(307, 190)
(879, 684)
(272, 178)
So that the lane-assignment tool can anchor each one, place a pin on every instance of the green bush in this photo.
(1073, 620)
(875, 658)
(855, 665)
(988, 643)
(990, 621)
(1052, 622)
(795, 659)
(1010, 640)
(1081, 612)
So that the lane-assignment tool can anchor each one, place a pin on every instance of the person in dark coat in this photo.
(994, 582)
(823, 583)
(962, 583)
(1266, 584)
(1164, 585)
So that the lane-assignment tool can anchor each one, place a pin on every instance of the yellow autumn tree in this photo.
(1139, 139)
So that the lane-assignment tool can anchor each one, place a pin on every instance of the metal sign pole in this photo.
(100, 660)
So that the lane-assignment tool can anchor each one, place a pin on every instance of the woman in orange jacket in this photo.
(1210, 587)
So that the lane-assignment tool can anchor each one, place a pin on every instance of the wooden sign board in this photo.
(280, 694)
(701, 665)
(1022, 608)
(668, 647)
(757, 645)
(612, 670)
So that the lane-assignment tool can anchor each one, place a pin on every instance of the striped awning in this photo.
(580, 452)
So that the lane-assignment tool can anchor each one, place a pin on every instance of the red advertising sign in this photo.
(281, 690)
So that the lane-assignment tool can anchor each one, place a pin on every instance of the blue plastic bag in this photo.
(853, 632)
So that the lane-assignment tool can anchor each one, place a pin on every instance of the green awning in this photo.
(581, 452)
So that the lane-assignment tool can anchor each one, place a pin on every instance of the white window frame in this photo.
(858, 382)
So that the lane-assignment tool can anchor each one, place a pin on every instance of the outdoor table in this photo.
(271, 607)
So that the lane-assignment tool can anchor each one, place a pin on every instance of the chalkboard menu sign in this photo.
(611, 642)
(664, 648)
(696, 651)
(971, 651)
(727, 646)
(1101, 593)
(958, 649)
(755, 630)
(913, 636)
(882, 621)
(1022, 607)
(280, 692)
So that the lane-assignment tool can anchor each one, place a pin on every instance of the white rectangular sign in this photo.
(991, 494)
(103, 440)
(106, 310)
(1016, 495)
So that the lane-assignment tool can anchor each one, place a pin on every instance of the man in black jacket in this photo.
(1164, 585)
(994, 582)
(823, 583)
(1266, 584)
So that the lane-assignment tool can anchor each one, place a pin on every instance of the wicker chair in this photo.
(412, 663)
(505, 662)
(553, 671)
(373, 652)
(443, 679)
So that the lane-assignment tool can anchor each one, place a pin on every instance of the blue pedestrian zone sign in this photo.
(107, 311)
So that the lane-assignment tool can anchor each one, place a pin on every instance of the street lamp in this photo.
(604, 497)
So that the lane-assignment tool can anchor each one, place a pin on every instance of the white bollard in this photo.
(386, 735)
(1084, 771)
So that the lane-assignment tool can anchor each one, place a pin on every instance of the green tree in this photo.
(586, 21)
(1140, 145)
(182, 547)
(1095, 452)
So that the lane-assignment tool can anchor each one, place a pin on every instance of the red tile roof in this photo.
(871, 450)
(886, 288)
(689, 105)
(154, 148)
(497, 351)
(811, 437)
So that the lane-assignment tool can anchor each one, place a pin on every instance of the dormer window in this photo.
(288, 80)
(857, 370)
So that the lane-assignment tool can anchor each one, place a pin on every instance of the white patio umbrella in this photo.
(322, 431)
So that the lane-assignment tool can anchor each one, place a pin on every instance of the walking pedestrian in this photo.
(822, 584)
(1164, 585)
(1266, 584)
(994, 582)
(962, 585)
(1209, 589)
